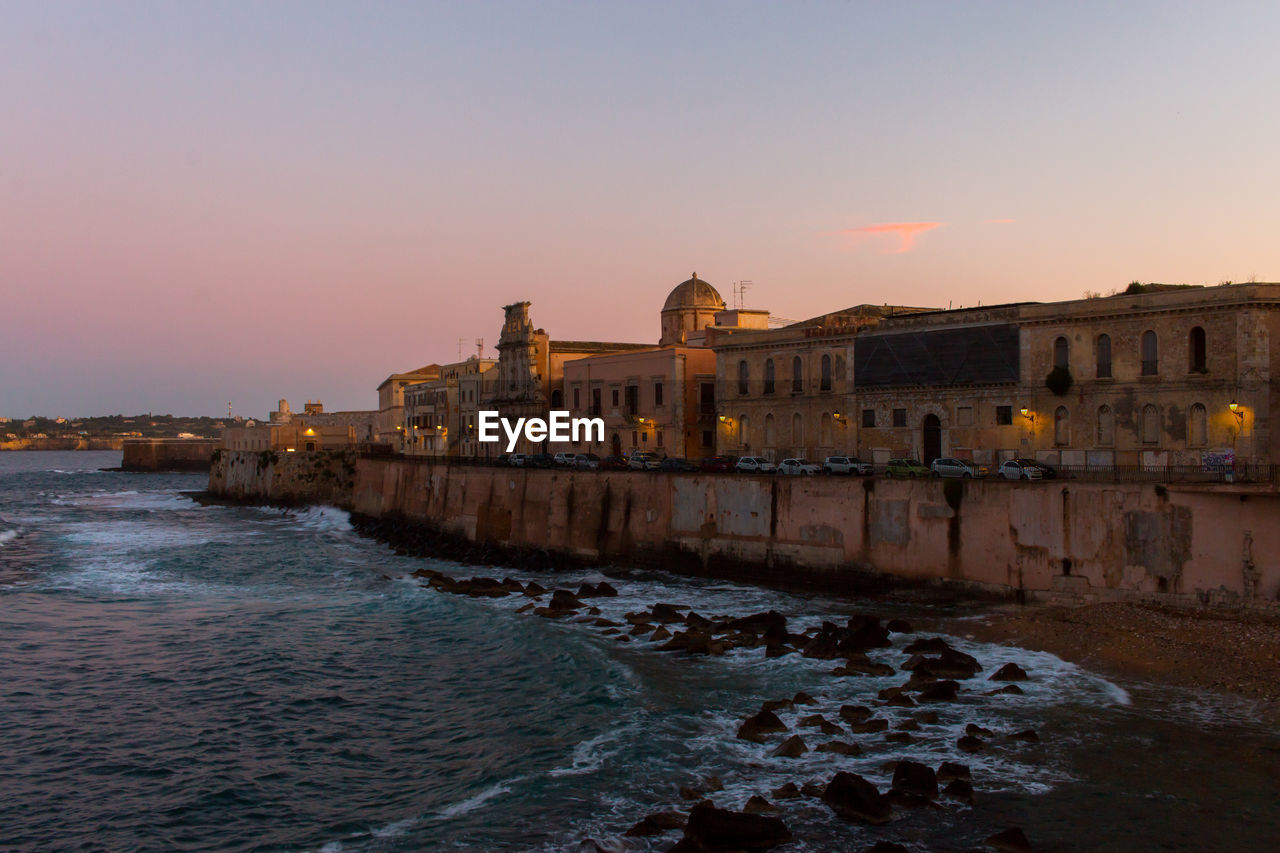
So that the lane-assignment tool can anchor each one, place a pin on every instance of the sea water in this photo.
(178, 676)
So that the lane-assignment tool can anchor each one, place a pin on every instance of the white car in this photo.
(641, 461)
(846, 465)
(797, 467)
(564, 459)
(947, 466)
(518, 460)
(1013, 469)
(755, 465)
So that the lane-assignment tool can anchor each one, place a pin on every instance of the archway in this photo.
(615, 446)
(932, 434)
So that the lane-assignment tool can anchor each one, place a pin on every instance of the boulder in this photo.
(907, 725)
(562, 599)
(754, 728)
(869, 726)
(777, 705)
(902, 700)
(926, 717)
(840, 747)
(759, 805)
(534, 588)
(657, 823)
(977, 731)
(1028, 735)
(854, 666)
(701, 623)
(711, 829)
(644, 628)
(949, 771)
(813, 789)
(969, 743)
(913, 777)
(788, 791)
(693, 642)
(961, 790)
(1011, 689)
(604, 623)
(1011, 840)
(792, 747)
(941, 691)
(855, 713)
(930, 646)
(660, 635)
(1009, 672)
(803, 698)
(666, 613)
(812, 721)
(899, 626)
(854, 798)
(899, 737)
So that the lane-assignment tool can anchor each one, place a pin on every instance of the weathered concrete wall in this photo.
(1078, 541)
(167, 454)
(272, 477)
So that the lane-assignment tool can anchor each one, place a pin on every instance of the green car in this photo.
(905, 468)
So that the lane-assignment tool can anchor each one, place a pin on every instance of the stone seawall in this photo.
(167, 454)
(1052, 540)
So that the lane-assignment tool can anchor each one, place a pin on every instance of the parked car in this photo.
(846, 465)
(518, 460)
(947, 466)
(565, 459)
(719, 464)
(797, 467)
(613, 463)
(1047, 471)
(538, 460)
(586, 462)
(905, 468)
(754, 465)
(1020, 469)
(642, 461)
(503, 460)
(679, 466)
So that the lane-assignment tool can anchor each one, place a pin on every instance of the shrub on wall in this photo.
(1058, 381)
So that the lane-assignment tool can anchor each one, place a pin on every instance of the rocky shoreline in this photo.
(1234, 652)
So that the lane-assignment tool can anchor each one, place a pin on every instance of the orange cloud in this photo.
(906, 232)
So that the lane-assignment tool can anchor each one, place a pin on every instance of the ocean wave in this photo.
(325, 519)
(472, 803)
(7, 536)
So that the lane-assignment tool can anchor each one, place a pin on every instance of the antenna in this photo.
(479, 347)
(742, 292)
(228, 409)
(460, 341)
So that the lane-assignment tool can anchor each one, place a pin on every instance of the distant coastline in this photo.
(93, 443)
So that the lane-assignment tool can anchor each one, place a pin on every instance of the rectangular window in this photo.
(577, 399)
(595, 402)
(706, 438)
(635, 438)
(615, 398)
(868, 417)
(657, 394)
(708, 398)
(964, 415)
(659, 438)
(633, 399)
(1004, 415)
(899, 417)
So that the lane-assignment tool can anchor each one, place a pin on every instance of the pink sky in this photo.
(210, 203)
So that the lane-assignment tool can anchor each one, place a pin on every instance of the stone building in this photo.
(440, 414)
(1158, 377)
(661, 399)
(390, 426)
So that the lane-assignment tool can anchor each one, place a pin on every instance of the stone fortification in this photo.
(1059, 540)
(167, 454)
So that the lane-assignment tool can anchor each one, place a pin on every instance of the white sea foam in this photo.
(325, 519)
(591, 754)
(473, 803)
(7, 536)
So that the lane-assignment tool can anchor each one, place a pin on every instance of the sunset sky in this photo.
(236, 201)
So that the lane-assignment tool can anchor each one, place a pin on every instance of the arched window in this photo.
(743, 424)
(1106, 426)
(1061, 426)
(768, 376)
(770, 439)
(797, 433)
(824, 429)
(797, 374)
(557, 399)
(744, 374)
(1150, 424)
(1196, 350)
(839, 368)
(1150, 354)
(1104, 356)
(826, 374)
(1061, 352)
(1197, 426)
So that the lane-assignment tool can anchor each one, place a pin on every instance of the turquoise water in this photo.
(230, 678)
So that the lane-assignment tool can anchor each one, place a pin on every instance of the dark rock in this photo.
(907, 725)
(1011, 689)
(902, 700)
(912, 662)
(1028, 735)
(853, 666)
(1009, 672)
(792, 747)
(969, 743)
(803, 698)
(899, 737)
(812, 721)
(869, 727)
(1011, 840)
(926, 717)
(777, 705)
(977, 731)
(529, 606)
(550, 613)
(637, 630)
(829, 728)
(961, 790)
(713, 783)
(854, 798)
(658, 823)
(534, 588)
(759, 805)
(693, 642)
(942, 691)
(813, 789)
(777, 650)
(666, 613)
(754, 728)
(855, 713)
(930, 646)
(890, 692)
(593, 611)
(713, 829)
(660, 635)
(839, 747)
(915, 778)
(700, 623)
(949, 771)
(899, 626)
(643, 618)
(562, 599)
(906, 800)
(788, 791)
(604, 623)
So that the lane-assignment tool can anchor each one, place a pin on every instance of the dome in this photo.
(694, 293)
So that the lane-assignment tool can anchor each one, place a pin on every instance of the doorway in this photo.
(932, 431)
